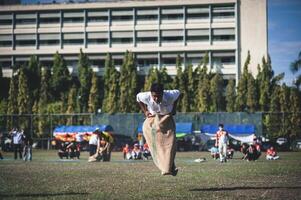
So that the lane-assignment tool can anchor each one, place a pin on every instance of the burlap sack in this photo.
(162, 144)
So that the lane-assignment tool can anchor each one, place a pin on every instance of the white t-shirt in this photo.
(93, 139)
(163, 108)
(17, 137)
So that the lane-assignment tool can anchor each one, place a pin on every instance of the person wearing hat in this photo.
(107, 143)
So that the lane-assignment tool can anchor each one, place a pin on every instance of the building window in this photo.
(172, 36)
(25, 21)
(147, 60)
(97, 38)
(26, 18)
(122, 37)
(50, 39)
(223, 58)
(6, 40)
(194, 58)
(73, 38)
(147, 14)
(226, 34)
(122, 15)
(21, 61)
(97, 16)
(73, 17)
(220, 12)
(198, 13)
(6, 22)
(172, 13)
(25, 40)
(170, 59)
(46, 61)
(5, 62)
(197, 35)
(49, 18)
(147, 36)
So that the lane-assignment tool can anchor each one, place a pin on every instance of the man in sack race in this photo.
(159, 106)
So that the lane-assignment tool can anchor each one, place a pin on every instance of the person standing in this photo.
(17, 137)
(27, 149)
(221, 142)
(159, 106)
(93, 142)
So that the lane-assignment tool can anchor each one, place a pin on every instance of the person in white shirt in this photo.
(17, 137)
(158, 106)
(221, 142)
(93, 142)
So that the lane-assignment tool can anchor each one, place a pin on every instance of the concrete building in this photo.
(156, 31)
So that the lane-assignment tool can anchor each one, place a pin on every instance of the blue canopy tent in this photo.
(240, 132)
(64, 131)
(182, 129)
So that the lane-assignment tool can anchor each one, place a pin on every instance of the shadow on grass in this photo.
(216, 189)
(43, 194)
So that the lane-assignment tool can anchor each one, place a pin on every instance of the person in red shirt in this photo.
(126, 152)
(146, 152)
(271, 154)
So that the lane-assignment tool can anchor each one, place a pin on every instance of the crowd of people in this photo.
(251, 152)
(137, 152)
(21, 144)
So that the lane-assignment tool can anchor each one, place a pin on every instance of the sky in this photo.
(284, 34)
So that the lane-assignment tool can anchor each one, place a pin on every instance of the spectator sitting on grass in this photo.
(126, 152)
(271, 154)
(244, 151)
(136, 152)
(230, 152)
(214, 153)
(146, 152)
(62, 152)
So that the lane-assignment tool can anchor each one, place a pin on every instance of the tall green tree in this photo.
(295, 108)
(264, 78)
(128, 84)
(242, 88)
(94, 98)
(60, 80)
(84, 76)
(203, 104)
(111, 85)
(33, 72)
(12, 100)
(23, 94)
(295, 66)
(23, 98)
(180, 83)
(1, 82)
(230, 96)
(165, 78)
(216, 93)
(71, 105)
(191, 88)
(252, 96)
(284, 99)
(203, 88)
(152, 77)
(44, 100)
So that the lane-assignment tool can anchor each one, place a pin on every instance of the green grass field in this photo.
(46, 177)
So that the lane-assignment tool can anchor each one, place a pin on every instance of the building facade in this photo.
(156, 31)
